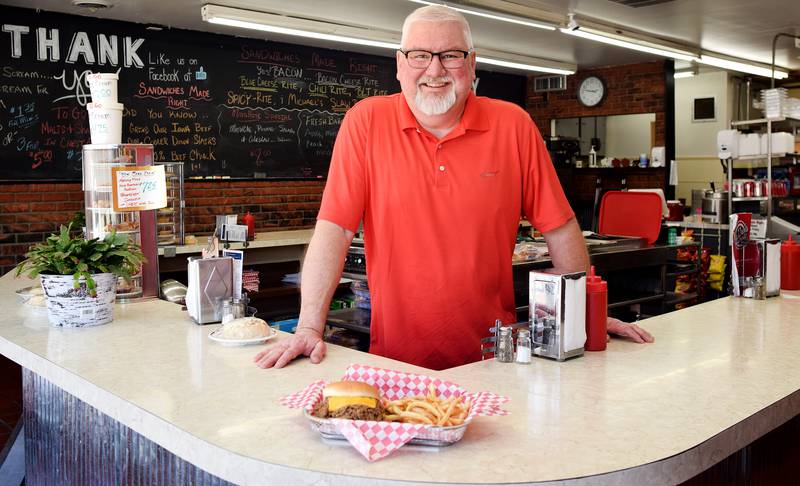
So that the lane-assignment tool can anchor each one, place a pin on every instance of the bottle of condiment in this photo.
(596, 312)
(790, 265)
(592, 157)
(250, 221)
(505, 346)
(523, 355)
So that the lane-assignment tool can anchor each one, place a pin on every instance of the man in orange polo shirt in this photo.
(439, 178)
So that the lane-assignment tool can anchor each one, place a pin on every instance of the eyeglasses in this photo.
(422, 59)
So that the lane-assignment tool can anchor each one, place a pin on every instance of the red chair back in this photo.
(625, 213)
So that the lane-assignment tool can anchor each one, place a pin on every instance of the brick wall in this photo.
(632, 88)
(30, 212)
(275, 205)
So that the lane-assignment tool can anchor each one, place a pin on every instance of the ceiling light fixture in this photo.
(522, 66)
(293, 26)
(92, 5)
(627, 42)
(280, 24)
(741, 67)
(525, 63)
(598, 33)
(685, 73)
(491, 15)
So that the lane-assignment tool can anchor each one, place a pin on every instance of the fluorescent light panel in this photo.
(301, 33)
(741, 67)
(266, 22)
(491, 15)
(629, 44)
(645, 46)
(683, 74)
(524, 67)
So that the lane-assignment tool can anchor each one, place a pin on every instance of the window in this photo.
(704, 110)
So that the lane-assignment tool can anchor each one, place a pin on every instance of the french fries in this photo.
(429, 409)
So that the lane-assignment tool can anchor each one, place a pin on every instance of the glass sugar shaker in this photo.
(505, 346)
(523, 346)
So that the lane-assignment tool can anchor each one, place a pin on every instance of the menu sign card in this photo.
(139, 188)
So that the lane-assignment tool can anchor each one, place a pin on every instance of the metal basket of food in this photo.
(379, 410)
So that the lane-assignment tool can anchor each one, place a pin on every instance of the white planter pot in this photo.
(71, 307)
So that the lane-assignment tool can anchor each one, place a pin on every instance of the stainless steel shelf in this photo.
(759, 121)
(636, 300)
(769, 127)
(673, 298)
(777, 155)
(759, 198)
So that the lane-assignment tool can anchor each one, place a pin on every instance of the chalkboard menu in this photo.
(225, 106)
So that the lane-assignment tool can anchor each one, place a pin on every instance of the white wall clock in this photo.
(591, 91)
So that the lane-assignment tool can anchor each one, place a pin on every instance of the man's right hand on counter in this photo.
(305, 341)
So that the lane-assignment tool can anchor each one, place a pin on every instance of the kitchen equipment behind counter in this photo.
(715, 206)
(558, 314)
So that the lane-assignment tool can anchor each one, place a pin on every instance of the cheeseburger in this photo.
(353, 400)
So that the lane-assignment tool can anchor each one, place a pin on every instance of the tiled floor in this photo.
(10, 398)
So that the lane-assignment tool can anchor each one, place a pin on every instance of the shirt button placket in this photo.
(441, 166)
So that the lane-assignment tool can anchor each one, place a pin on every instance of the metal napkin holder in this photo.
(557, 310)
(210, 284)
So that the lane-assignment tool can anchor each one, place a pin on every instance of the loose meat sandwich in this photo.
(352, 400)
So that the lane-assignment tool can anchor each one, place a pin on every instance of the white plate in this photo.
(215, 335)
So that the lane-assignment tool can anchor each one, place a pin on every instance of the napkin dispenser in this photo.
(771, 266)
(558, 314)
(210, 284)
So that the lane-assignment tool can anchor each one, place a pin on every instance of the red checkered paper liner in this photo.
(376, 440)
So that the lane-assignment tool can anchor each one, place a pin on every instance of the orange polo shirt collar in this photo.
(472, 119)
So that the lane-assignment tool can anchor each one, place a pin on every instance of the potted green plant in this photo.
(79, 276)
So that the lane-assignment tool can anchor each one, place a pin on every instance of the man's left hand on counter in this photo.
(630, 331)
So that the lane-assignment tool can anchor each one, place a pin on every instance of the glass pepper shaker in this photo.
(505, 346)
(523, 355)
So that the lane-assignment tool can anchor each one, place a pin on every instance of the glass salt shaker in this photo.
(505, 346)
(227, 311)
(232, 309)
(759, 288)
(523, 355)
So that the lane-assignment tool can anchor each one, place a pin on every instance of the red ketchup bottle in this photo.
(596, 312)
(250, 221)
(790, 265)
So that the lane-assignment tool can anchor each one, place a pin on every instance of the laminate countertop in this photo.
(719, 375)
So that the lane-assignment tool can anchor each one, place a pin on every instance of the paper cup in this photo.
(103, 87)
(105, 122)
